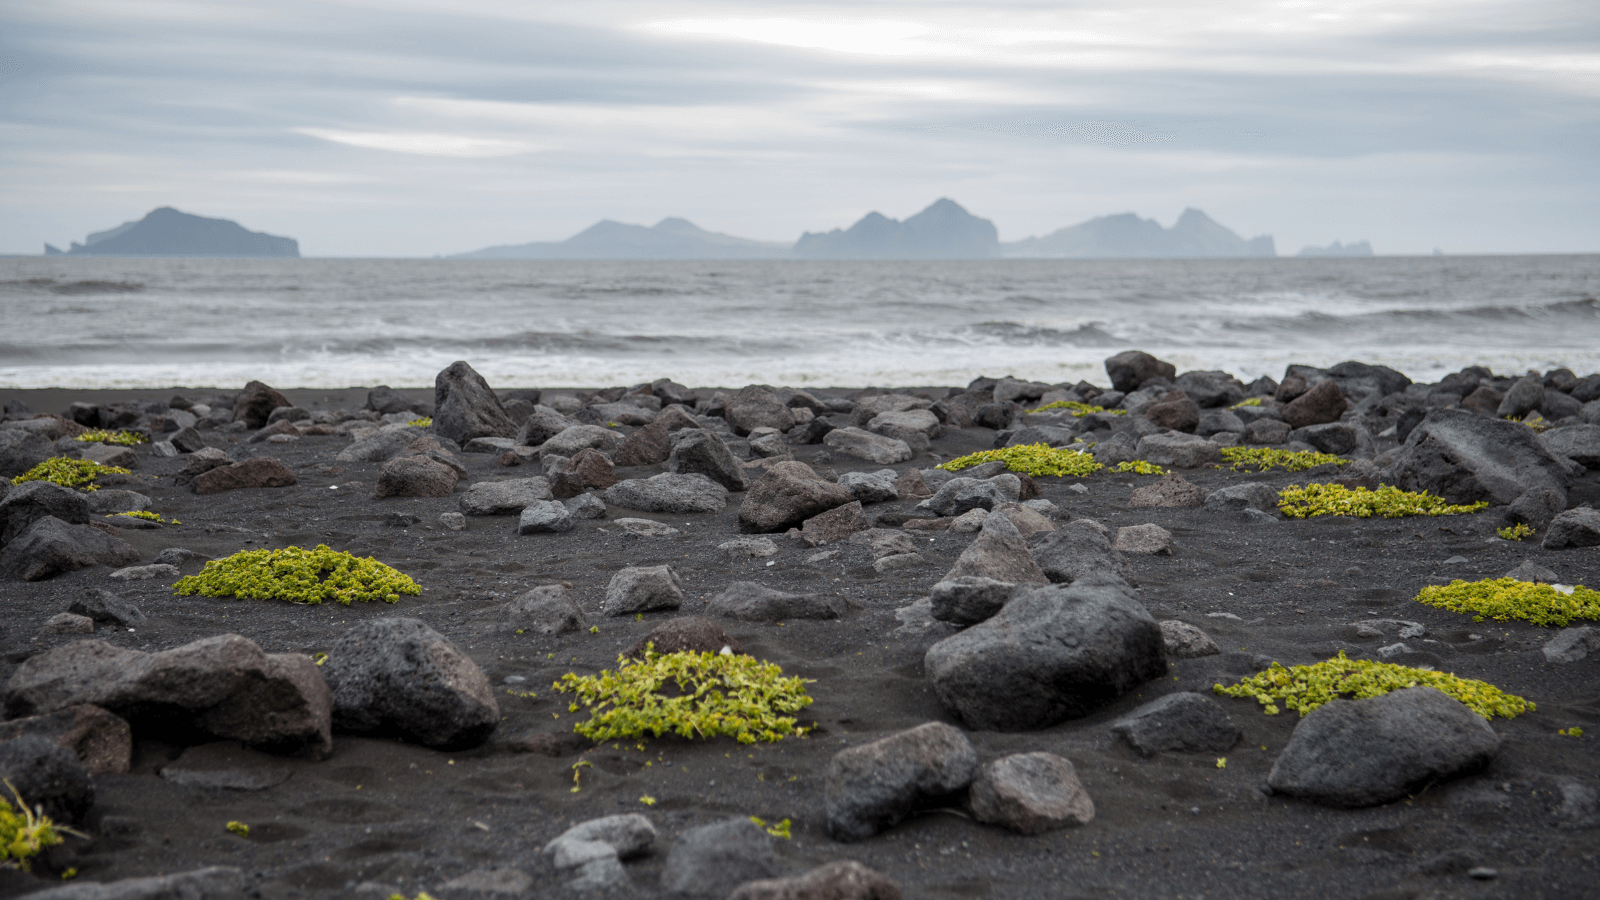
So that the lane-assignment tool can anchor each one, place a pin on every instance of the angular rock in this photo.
(785, 496)
(1267, 431)
(1182, 451)
(834, 525)
(628, 835)
(586, 506)
(1338, 438)
(546, 609)
(1323, 403)
(1181, 415)
(906, 424)
(1184, 641)
(544, 517)
(685, 633)
(1030, 793)
(410, 476)
(21, 451)
(1147, 540)
(108, 609)
(670, 392)
(1131, 368)
(68, 623)
(46, 776)
(1169, 491)
(961, 494)
(261, 472)
(223, 685)
(581, 437)
(869, 408)
(1530, 571)
(753, 602)
(1465, 458)
(912, 485)
(1579, 443)
(504, 498)
(749, 548)
(465, 407)
(871, 487)
(999, 552)
(1353, 753)
(33, 500)
(588, 468)
(380, 447)
(645, 447)
(1028, 520)
(812, 432)
(1081, 549)
(50, 547)
(255, 404)
(875, 786)
(710, 861)
(969, 599)
(214, 883)
(145, 573)
(542, 424)
(1051, 654)
(1237, 497)
(1536, 508)
(874, 448)
(1568, 646)
(1578, 527)
(700, 452)
(843, 880)
(108, 500)
(1220, 422)
(100, 740)
(1524, 397)
(385, 400)
(756, 406)
(1183, 722)
(187, 440)
(642, 589)
(668, 493)
(398, 676)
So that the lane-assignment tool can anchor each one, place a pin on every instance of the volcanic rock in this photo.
(785, 496)
(398, 676)
(1030, 793)
(874, 786)
(407, 476)
(668, 493)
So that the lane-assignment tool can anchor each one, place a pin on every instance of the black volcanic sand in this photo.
(1174, 826)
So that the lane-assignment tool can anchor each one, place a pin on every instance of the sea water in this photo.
(328, 323)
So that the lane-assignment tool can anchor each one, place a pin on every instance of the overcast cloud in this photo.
(399, 128)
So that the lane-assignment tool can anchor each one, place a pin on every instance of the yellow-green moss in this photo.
(1253, 401)
(1515, 532)
(1305, 688)
(716, 694)
(1139, 467)
(424, 422)
(100, 435)
(24, 832)
(146, 515)
(1079, 410)
(299, 576)
(1030, 459)
(1508, 598)
(1264, 458)
(1387, 501)
(69, 473)
(239, 828)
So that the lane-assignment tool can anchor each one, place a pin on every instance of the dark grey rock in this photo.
(48, 775)
(380, 447)
(1236, 497)
(214, 883)
(1170, 491)
(465, 407)
(1578, 527)
(1579, 443)
(1218, 422)
(874, 448)
(546, 609)
(99, 739)
(1184, 641)
(700, 452)
(31, 501)
(385, 400)
(1535, 508)
(1080, 549)
(691, 633)
(504, 498)
(1000, 552)
(1030, 793)
(1181, 451)
(544, 517)
(22, 450)
(1352, 753)
(1147, 540)
(875, 786)
(970, 599)
(107, 608)
(50, 547)
(643, 589)
(785, 496)
(581, 437)
(710, 861)
(1184, 722)
(961, 494)
(907, 425)
(871, 487)
(542, 424)
(586, 506)
(1323, 403)
(1131, 368)
(1268, 431)
(1338, 438)
(1572, 644)
(1530, 571)
(1466, 458)
(756, 406)
(753, 602)
(668, 493)
(1524, 397)
(178, 556)
(403, 476)
(1052, 653)
(398, 676)
(842, 880)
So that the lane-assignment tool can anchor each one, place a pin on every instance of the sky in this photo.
(410, 128)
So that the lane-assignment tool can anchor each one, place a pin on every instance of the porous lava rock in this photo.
(398, 676)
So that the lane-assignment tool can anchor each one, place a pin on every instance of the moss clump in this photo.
(69, 473)
(1508, 598)
(1253, 401)
(1388, 501)
(1534, 421)
(101, 436)
(1264, 458)
(239, 828)
(1305, 688)
(24, 833)
(424, 422)
(299, 576)
(145, 514)
(1030, 459)
(1139, 467)
(1079, 410)
(717, 695)
(1515, 532)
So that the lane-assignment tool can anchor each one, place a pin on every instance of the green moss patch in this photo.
(715, 695)
(1079, 410)
(101, 436)
(299, 576)
(1305, 688)
(1387, 501)
(424, 422)
(1508, 598)
(69, 473)
(1139, 467)
(1260, 459)
(1030, 459)
(24, 833)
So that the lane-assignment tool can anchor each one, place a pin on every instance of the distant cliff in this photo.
(1359, 248)
(167, 232)
(1128, 236)
(942, 231)
(667, 239)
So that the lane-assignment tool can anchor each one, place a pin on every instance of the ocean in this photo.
(333, 323)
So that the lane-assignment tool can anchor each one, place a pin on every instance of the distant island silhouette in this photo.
(1357, 248)
(168, 232)
(1126, 236)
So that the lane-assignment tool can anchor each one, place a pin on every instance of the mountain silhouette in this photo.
(168, 232)
(942, 231)
(670, 238)
(1128, 236)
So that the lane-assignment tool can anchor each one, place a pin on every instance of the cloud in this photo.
(421, 144)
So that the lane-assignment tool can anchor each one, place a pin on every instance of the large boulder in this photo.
(1081, 549)
(1051, 654)
(22, 450)
(1132, 368)
(1465, 458)
(645, 447)
(465, 407)
(785, 496)
(254, 405)
(1030, 793)
(874, 786)
(223, 685)
(1323, 403)
(1000, 552)
(1351, 753)
(699, 452)
(874, 448)
(50, 547)
(668, 493)
(504, 498)
(398, 676)
(33, 500)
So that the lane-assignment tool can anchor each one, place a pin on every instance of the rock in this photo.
(626, 836)
(874, 448)
(1352, 753)
(869, 408)
(960, 494)
(843, 880)
(50, 547)
(544, 517)
(1184, 641)
(101, 741)
(1030, 793)
(1579, 443)
(1237, 497)
(145, 573)
(753, 602)
(969, 599)
(31, 501)
(261, 472)
(756, 406)
(1179, 415)
(380, 447)
(1466, 458)
(670, 392)
(109, 500)
(21, 451)
(465, 407)
(1338, 438)
(201, 461)
(871, 487)
(542, 424)
(749, 548)
(898, 562)
(685, 633)
(668, 493)
(1267, 431)
(645, 447)
(700, 452)
(1530, 571)
(1052, 653)
(1148, 540)
(46, 776)
(1524, 397)
(785, 496)
(1169, 491)
(884, 541)
(187, 440)
(504, 498)
(646, 527)
(1184, 722)
(1182, 451)
(283, 429)
(214, 883)
(224, 685)
(912, 485)
(68, 623)
(906, 424)
(1578, 527)
(1000, 553)
(1536, 508)
(1572, 644)
(111, 455)
(1220, 422)
(834, 525)
(710, 861)
(1081, 549)
(1132, 368)
(108, 609)
(587, 469)
(586, 506)
(1323, 403)
(411, 476)
(495, 445)
(384, 400)
(875, 786)
(397, 676)
(254, 405)
(642, 589)
(812, 432)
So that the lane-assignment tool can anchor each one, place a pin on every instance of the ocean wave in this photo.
(52, 286)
